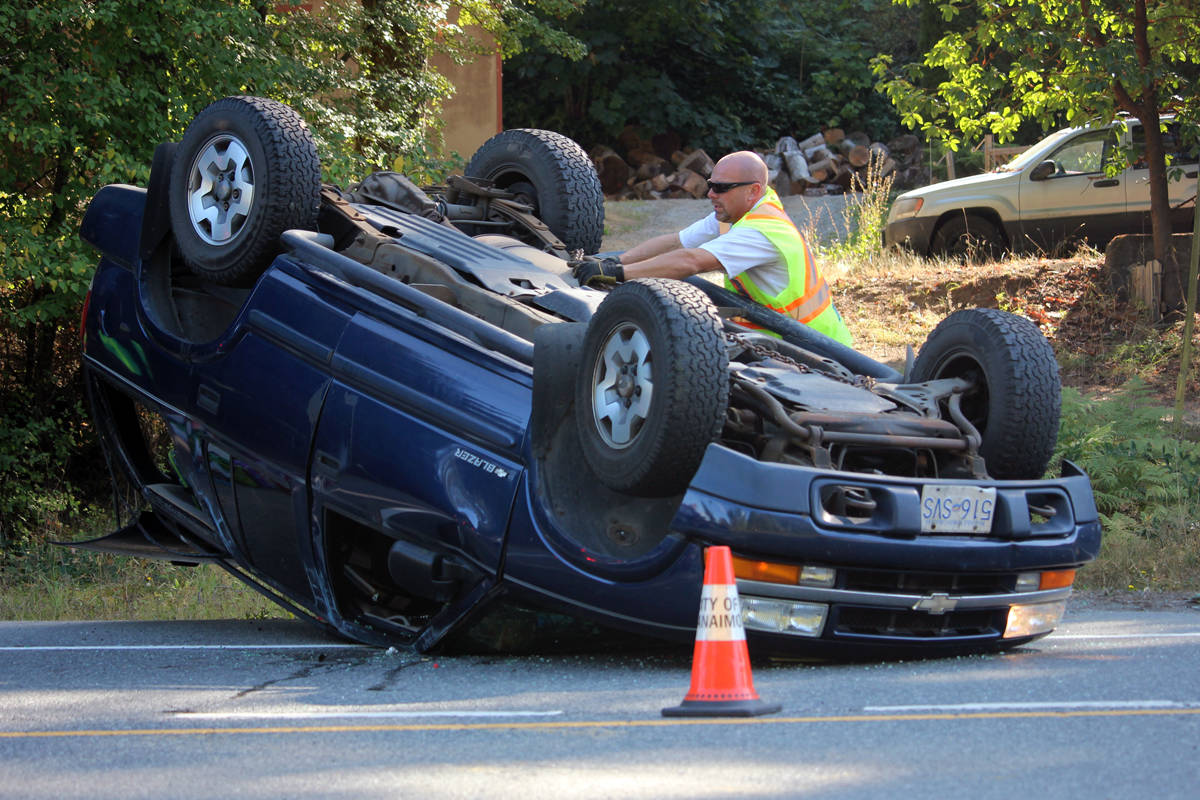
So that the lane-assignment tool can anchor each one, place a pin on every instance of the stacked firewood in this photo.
(828, 162)
(645, 173)
(911, 168)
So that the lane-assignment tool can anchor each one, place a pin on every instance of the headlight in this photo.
(906, 207)
(783, 616)
(1033, 619)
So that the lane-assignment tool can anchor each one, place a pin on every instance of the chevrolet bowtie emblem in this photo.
(937, 603)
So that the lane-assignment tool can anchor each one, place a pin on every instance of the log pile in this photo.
(829, 162)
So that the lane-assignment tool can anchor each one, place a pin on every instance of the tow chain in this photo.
(764, 352)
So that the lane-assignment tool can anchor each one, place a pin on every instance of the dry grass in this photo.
(54, 583)
(1133, 562)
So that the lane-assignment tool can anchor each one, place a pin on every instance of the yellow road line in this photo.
(584, 724)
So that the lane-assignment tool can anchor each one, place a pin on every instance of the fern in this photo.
(1139, 468)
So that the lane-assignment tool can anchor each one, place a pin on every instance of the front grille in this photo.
(882, 622)
(895, 582)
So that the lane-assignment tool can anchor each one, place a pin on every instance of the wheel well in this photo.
(983, 212)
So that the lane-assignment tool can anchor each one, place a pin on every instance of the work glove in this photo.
(598, 272)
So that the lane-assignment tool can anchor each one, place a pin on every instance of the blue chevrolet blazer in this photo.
(393, 411)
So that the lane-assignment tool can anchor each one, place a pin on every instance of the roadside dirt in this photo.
(1111, 600)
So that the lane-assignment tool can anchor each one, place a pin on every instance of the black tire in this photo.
(554, 175)
(969, 238)
(1018, 395)
(644, 431)
(250, 145)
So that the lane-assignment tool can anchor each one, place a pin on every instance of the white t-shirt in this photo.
(739, 250)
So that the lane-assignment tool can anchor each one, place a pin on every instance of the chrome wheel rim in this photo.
(622, 386)
(220, 190)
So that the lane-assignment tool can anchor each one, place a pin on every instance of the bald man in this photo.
(748, 237)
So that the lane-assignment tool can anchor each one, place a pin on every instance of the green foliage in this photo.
(1146, 481)
(1000, 66)
(723, 75)
(32, 482)
(865, 218)
(1145, 478)
(91, 86)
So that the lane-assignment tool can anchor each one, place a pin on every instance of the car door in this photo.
(1181, 181)
(1077, 200)
(419, 441)
(258, 392)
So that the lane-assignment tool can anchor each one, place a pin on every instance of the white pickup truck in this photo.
(1053, 194)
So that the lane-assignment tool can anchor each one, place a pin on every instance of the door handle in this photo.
(327, 462)
(208, 399)
(1104, 184)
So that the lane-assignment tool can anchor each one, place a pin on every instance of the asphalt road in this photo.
(1108, 707)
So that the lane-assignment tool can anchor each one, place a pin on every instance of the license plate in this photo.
(957, 509)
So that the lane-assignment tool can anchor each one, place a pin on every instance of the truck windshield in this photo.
(1034, 153)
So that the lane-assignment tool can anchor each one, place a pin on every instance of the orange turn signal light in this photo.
(1057, 579)
(766, 571)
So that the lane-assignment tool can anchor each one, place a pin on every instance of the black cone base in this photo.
(721, 708)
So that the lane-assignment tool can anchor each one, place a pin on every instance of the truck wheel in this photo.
(653, 387)
(551, 173)
(246, 171)
(968, 237)
(1017, 396)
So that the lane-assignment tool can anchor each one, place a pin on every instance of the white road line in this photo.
(75, 647)
(1180, 635)
(1065, 705)
(269, 715)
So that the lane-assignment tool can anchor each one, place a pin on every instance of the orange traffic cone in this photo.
(721, 682)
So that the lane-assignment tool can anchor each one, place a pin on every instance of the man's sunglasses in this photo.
(722, 188)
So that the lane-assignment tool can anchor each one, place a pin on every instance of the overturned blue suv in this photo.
(392, 410)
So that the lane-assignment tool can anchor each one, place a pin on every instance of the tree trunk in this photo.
(1160, 204)
(1147, 112)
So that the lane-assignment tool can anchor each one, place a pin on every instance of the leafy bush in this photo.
(1146, 481)
(723, 75)
(33, 485)
(865, 218)
(91, 86)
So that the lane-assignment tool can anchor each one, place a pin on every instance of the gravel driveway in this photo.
(628, 222)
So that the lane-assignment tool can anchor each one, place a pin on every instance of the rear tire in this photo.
(246, 171)
(551, 173)
(653, 386)
(1018, 395)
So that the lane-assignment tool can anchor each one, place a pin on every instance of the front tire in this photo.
(1017, 397)
(552, 174)
(969, 238)
(653, 387)
(246, 171)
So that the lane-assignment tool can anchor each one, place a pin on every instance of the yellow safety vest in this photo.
(807, 297)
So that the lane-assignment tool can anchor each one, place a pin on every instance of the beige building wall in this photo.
(475, 112)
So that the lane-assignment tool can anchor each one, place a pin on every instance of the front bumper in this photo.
(896, 590)
(914, 233)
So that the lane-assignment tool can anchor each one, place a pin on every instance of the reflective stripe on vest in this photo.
(807, 297)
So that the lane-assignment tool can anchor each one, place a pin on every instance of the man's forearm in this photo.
(677, 264)
(650, 248)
